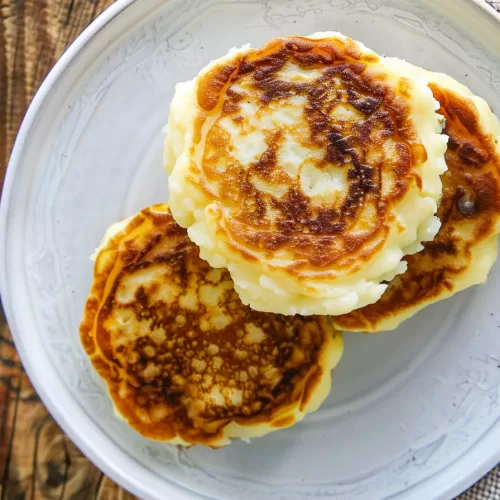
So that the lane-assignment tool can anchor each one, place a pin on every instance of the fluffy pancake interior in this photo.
(308, 168)
(185, 361)
(465, 249)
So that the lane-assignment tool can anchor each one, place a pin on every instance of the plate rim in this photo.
(134, 485)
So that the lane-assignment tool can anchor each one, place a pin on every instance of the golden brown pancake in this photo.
(184, 360)
(308, 168)
(465, 248)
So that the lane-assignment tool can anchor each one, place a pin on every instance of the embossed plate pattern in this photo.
(413, 413)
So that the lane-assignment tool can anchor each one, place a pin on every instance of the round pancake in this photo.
(308, 168)
(184, 360)
(465, 249)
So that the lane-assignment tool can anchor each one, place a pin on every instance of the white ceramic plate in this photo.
(413, 414)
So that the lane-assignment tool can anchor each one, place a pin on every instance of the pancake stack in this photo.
(315, 186)
(308, 168)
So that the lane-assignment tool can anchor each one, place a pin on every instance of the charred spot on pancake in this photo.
(473, 156)
(181, 354)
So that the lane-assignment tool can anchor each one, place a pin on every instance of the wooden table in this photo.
(37, 461)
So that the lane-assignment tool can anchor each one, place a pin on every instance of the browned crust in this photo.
(469, 213)
(312, 236)
(143, 374)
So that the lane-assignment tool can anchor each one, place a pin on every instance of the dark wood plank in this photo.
(37, 461)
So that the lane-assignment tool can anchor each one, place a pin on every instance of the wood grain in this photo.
(37, 461)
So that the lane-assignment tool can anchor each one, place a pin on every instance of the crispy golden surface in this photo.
(356, 122)
(306, 155)
(465, 248)
(185, 361)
